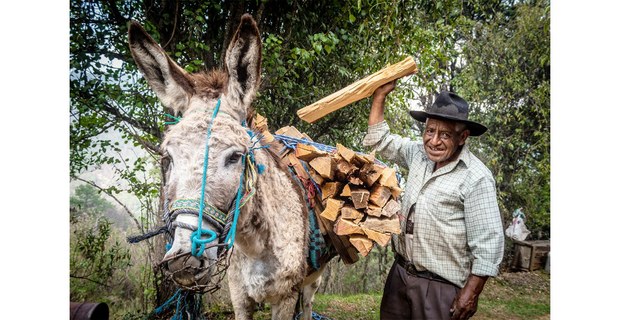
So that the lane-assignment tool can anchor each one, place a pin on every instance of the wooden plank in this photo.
(370, 173)
(291, 132)
(388, 178)
(356, 181)
(358, 90)
(396, 191)
(345, 250)
(260, 122)
(344, 169)
(374, 210)
(299, 168)
(316, 177)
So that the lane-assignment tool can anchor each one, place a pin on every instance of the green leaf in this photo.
(351, 18)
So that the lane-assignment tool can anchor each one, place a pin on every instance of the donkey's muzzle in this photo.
(187, 270)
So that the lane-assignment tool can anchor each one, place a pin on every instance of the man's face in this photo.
(441, 141)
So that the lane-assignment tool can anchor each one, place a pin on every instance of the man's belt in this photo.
(410, 268)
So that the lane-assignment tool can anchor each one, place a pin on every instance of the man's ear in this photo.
(463, 137)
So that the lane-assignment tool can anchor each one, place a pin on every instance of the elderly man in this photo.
(452, 234)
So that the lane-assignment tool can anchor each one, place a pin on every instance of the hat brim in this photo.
(475, 129)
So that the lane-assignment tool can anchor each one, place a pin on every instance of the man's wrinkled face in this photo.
(442, 140)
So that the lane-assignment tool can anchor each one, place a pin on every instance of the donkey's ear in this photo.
(243, 61)
(170, 82)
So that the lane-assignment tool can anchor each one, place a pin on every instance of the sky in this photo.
(35, 84)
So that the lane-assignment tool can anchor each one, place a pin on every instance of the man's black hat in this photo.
(449, 106)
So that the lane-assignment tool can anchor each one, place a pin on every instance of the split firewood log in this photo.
(359, 202)
(380, 238)
(331, 189)
(332, 209)
(345, 227)
(391, 225)
(324, 166)
(391, 208)
(360, 198)
(379, 195)
(362, 244)
(307, 152)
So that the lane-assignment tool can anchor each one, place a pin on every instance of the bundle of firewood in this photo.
(358, 194)
(358, 204)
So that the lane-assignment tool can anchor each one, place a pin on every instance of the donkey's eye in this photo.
(166, 161)
(234, 158)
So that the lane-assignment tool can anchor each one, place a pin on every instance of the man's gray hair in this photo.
(459, 127)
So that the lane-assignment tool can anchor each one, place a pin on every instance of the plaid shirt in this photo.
(457, 227)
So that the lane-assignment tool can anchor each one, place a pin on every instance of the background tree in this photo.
(508, 76)
(94, 256)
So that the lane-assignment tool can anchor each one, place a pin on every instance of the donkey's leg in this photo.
(285, 309)
(308, 297)
(243, 305)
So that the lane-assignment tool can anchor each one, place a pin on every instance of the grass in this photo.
(522, 295)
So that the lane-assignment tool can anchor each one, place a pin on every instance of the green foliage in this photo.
(94, 260)
(507, 75)
(87, 201)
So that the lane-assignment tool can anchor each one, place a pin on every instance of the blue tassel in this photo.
(261, 168)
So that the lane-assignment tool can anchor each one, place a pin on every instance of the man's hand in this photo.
(378, 102)
(466, 301)
(383, 90)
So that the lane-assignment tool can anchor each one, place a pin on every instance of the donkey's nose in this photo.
(184, 269)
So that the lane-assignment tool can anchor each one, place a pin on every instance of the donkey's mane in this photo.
(210, 84)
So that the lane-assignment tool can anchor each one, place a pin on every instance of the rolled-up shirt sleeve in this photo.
(483, 222)
(391, 146)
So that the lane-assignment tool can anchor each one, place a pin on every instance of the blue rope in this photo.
(175, 119)
(291, 142)
(168, 302)
(197, 235)
(230, 237)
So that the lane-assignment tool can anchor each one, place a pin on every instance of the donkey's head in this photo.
(204, 154)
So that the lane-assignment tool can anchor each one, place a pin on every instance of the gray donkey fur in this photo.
(268, 260)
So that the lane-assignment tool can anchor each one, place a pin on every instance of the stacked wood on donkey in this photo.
(360, 195)
(357, 196)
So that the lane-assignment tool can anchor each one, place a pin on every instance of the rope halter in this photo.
(225, 223)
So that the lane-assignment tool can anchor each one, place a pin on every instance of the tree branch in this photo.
(120, 20)
(115, 199)
(91, 280)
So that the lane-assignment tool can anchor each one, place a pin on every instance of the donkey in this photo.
(219, 208)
